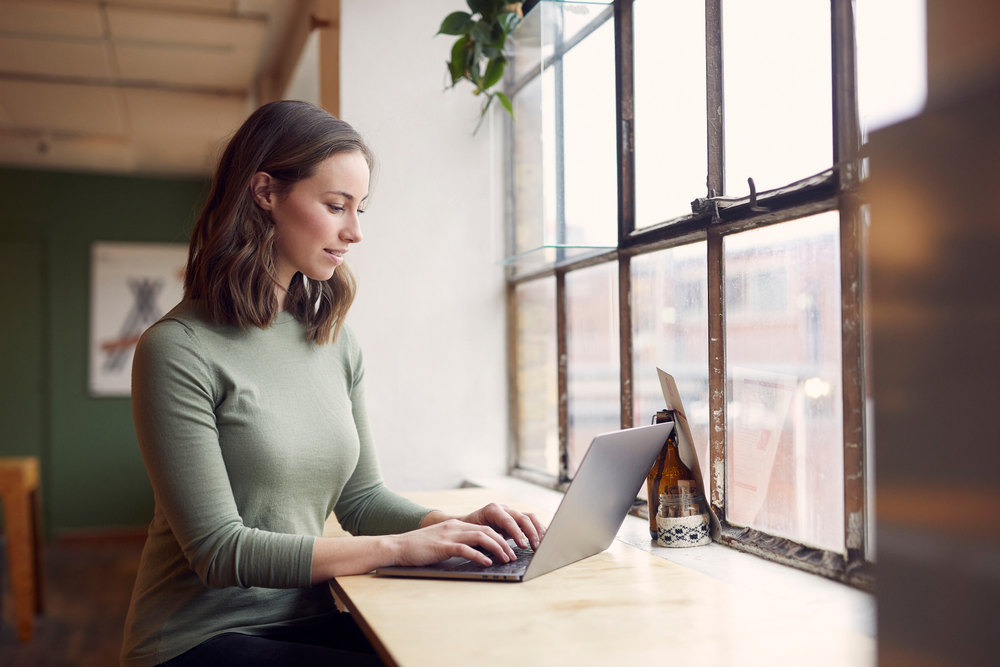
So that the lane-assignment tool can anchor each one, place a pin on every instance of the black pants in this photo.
(338, 642)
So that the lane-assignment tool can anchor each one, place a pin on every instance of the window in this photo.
(700, 215)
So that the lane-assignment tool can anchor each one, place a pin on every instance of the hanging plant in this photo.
(478, 55)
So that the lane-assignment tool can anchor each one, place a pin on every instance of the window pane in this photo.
(778, 104)
(670, 331)
(564, 141)
(593, 357)
(525, 44)
(537, 380)
(892, 61)
(785, 465)
(590, 144)
(534, 177)
(671, 143)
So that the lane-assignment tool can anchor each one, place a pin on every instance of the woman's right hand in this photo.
(440, 541)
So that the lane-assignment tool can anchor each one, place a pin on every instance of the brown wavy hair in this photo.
(231, 264)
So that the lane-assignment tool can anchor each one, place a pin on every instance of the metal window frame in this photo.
(835, 190)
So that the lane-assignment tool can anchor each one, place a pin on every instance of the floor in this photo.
(88, 586)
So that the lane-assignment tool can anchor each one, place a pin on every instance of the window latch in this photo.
(715, 204)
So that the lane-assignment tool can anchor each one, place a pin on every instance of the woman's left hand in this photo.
(522, 527)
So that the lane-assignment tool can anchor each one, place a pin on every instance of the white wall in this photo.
(430, 307)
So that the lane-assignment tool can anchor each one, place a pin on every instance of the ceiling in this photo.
(136, 86)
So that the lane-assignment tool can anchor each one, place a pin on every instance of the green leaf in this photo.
(456, 23)
(494, 70)
(497, 36)
(480, 6)
(508, 21)
(496, 6)
(457, 65)
(473, 66)
(505, 102)
(475, 75)
(481, 33)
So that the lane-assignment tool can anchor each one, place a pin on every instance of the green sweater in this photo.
(251, 437)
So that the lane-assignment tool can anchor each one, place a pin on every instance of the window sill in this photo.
(827, 601)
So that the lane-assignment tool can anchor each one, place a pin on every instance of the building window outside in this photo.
(677, 260)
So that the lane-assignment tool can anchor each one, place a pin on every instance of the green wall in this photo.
(93, 475)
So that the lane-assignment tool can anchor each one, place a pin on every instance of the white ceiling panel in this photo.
(128, 85)
(136, 24)
(62, 108)
(230, 71)
(184, 49)
(34, 56)
(256, 6)
(50, 18)
(69, 155)
(197, 5)
(157, 113)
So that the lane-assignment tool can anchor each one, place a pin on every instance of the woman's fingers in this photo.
(530, 527)
(453, 538)
(496, 543)
(485, 537)
(524, 528)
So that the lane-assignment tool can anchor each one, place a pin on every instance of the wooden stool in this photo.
(22, 523)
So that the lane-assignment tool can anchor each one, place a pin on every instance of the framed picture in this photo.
(132, 285)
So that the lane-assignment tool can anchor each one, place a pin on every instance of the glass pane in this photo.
(778, 104)
(525, 45)
(533, 177)
(590, 145)
(785, 462)
(892, 61)
(670, 331)
(537, 380)
(671, 142)
(593, 358)
(564, 140)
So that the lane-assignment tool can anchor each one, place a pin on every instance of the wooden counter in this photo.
(620, 607)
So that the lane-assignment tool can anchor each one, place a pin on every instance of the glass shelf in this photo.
(551, 255)
(563, 188)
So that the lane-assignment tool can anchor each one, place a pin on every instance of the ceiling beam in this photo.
(292, 26)
(111, 82)
(167, 8)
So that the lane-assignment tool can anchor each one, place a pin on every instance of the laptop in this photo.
(587, 520)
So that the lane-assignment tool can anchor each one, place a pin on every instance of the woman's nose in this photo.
(352, 232)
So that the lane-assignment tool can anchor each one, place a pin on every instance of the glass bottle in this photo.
(667, 470)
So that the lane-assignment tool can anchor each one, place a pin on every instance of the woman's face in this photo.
(318, 220)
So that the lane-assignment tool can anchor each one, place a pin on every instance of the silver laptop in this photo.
(588, 518)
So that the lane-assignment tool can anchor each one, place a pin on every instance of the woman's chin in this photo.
(321, 276)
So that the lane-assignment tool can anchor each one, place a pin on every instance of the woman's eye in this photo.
(335, 209)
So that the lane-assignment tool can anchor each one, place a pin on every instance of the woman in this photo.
(248, 401)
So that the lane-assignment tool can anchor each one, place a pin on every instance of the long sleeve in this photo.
(173, 406)
(251, 437)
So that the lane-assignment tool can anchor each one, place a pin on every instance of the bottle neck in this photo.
(663, 416)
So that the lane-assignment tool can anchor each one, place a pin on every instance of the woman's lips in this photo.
(336, 256)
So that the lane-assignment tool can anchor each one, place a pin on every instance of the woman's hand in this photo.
(439, 537)
(436, 541)
(522, 527)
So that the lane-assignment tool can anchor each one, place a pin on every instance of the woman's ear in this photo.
(260, 187)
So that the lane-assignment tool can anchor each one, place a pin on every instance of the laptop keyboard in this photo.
(523, 558)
